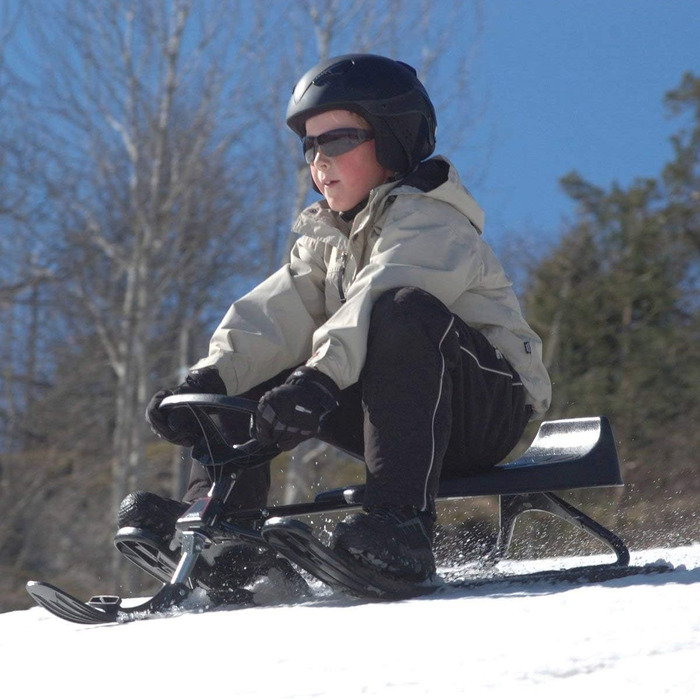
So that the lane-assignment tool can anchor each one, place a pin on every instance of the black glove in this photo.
(292, 412)
(179, 425)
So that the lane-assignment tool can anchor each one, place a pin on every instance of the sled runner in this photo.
(565, 454)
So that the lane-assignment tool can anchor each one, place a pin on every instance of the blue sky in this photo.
(573, 85)
(565, 85)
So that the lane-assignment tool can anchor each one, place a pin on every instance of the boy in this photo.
(409, 345)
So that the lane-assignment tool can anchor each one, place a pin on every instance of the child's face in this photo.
(344, 180)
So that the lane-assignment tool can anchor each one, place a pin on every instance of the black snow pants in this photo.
(434, 399)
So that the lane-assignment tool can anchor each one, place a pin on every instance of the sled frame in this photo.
(565, 454)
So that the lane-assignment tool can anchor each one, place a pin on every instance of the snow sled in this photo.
(565, 454)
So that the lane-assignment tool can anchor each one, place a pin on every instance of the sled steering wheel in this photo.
(212, 450)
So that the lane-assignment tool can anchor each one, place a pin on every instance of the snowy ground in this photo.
(635, 637)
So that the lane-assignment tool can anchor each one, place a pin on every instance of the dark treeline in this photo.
(617, 302)
(146, 179)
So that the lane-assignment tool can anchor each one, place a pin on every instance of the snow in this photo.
(639, 635)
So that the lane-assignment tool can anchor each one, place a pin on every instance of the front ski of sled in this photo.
(67, 607)
(104, 609)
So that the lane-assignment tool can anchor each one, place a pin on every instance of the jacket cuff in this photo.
(206, 380)
(328, 389)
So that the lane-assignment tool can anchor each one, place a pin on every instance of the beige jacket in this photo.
(316, 309)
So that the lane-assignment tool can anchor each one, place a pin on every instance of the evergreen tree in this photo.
(617, 305)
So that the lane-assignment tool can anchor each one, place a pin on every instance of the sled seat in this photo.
(566, 454)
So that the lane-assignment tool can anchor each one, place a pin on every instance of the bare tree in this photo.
(145, 184)
(155, 145)
(23, 272)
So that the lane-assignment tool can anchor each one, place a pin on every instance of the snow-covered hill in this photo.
(635, 637)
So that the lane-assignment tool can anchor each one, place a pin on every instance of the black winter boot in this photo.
(396, 540)
(232, 568)
(149, 511)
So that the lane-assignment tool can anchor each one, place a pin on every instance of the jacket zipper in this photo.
(341, 274)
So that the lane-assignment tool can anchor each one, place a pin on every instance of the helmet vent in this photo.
(329, 74)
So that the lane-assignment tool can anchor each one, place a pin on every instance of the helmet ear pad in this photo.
(396, 144)
(389, 149)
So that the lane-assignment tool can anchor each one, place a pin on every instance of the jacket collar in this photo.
(436, 178)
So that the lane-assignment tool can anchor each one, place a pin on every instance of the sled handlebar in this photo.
(210, 401)
(212, 450)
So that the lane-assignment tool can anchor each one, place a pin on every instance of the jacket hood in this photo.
(438, 178)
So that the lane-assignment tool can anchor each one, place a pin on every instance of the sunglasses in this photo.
(334, 143)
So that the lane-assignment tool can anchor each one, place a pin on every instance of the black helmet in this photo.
(386, 93)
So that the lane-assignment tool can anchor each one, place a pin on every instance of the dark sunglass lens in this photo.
(341, 143)
(333, 143)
